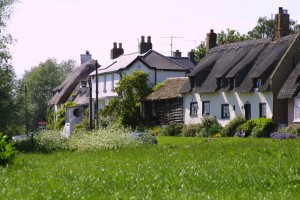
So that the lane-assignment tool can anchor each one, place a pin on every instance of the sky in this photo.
(64, 29)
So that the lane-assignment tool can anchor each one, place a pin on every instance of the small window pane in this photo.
(225, 110)
(193, 108)
(206, 108)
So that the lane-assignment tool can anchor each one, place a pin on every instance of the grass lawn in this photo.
(177, 168)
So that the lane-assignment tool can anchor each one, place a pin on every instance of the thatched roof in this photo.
(169, 90)
(242, 62)
(291, 86)
(63, 91)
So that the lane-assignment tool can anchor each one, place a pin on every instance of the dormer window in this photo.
(257, 82)
(221, 82)
(232, 82)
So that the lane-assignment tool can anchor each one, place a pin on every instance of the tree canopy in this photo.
(8, 82)
(39, 82)
(126, 106)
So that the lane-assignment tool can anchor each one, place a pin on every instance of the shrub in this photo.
(296, 130)
(263, 127)
(232, 127)
(157, 130)
(157, 86)
(172, 129)
(49, 141)
(214, 129)
(60, 122)
(7, 150)
(247, 127)
(111, 137)
(191, 130)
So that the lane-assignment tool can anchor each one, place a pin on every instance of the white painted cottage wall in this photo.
(234, 99)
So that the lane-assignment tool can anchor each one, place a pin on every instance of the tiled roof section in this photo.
(151, 58)
(291, 86)
(118, 63)
(241, 61)
(160, 62)
(82, 98)
(170, 89)
(63, 91)
(184, 61)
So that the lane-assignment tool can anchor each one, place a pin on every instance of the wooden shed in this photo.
(164, 105)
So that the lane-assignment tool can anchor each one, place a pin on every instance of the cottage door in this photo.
(247, 108)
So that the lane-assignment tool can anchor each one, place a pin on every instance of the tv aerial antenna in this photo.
(171, 44)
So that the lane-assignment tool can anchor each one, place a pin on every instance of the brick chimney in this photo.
(191, 56)
(177, 54)
(282, 21)
(85, 57)
(211, 40)
(145, 46)
(116, 52)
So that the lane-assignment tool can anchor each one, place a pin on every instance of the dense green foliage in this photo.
(233, 126)
(178, 168)
(39, 87)
(172, 129)
(157, 86)
(7, 150)
(126, 106)
(8, 84)
(260, 127)
(61, 115)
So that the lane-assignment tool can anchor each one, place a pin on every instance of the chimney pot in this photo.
(85, 57)
(116, 52)
(211, 40)
(177, 54)
(282, 21)
(144, 47)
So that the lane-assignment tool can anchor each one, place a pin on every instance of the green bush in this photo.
(263, 127)
(296, 129)
(172, 129)
(49, 141)
(191, 130)
(7, 150)
(214, 129)
(209, 126)
(60, 122)
(247, 126)
(157, 130)
(232, 127)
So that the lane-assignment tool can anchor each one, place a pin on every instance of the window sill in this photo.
(296, 120)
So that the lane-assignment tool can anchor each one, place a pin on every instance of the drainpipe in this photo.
(97, 92)
(91, 103)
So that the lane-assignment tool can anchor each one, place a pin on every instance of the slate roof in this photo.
(63, 91)
(242, 62)
(185, 61)
(291, 86)
(151, 59)
(169, 90)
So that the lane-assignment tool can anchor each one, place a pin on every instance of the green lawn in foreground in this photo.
(177, 168)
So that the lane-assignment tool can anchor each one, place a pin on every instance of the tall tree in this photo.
(39, 82)
(7, 74)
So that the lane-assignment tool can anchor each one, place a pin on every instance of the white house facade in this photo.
(227, 105)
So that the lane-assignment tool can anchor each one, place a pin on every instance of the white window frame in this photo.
(297, 110)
